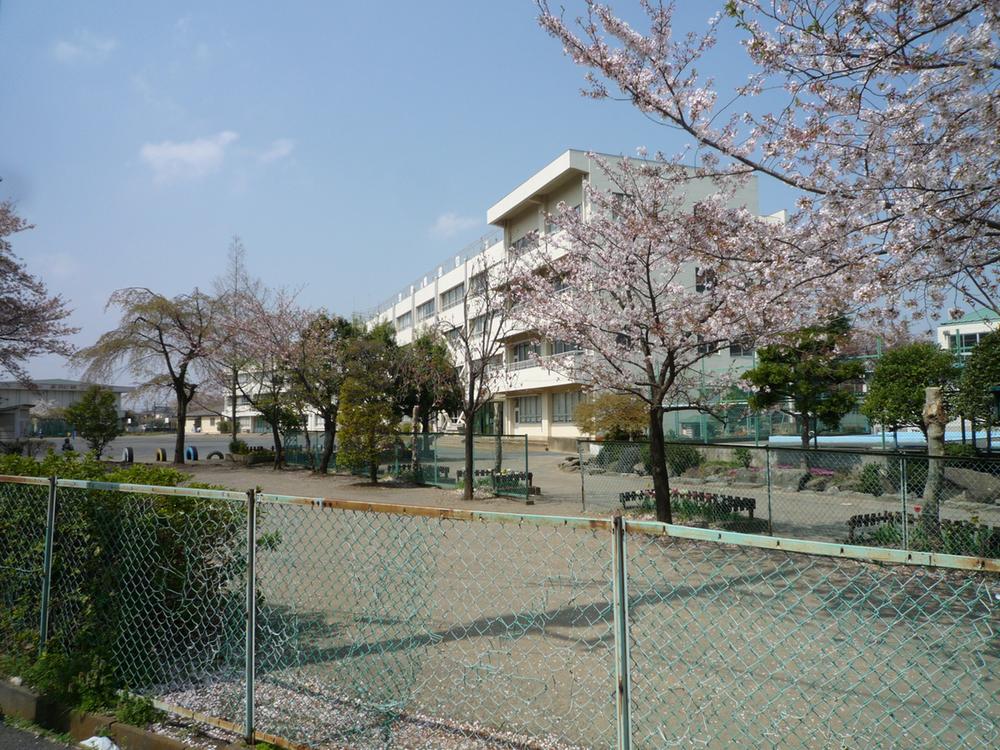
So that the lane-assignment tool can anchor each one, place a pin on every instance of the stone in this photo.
(628, 457)
(978, 486)
(832, 489)
(788, 479)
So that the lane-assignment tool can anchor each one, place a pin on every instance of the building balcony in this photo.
(542, 372)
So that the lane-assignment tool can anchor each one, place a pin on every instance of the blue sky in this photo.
(351, 145)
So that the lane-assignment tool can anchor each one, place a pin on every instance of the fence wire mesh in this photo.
(737, 646)
(23, 512)
(411, 631)
(378, 627)
(903, 501)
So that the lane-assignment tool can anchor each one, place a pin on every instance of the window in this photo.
(477, 325)
(477, 283)
(619, 206)
(520, 245)
(704, 278)
(425, 310)
(551, 225)
(564, 405)
(963, 343)
(453, 337)
(453, 296)
(561, 347)
(404, 321)
(526, 350)
(528, 410)
(707, 347)
(741, 348)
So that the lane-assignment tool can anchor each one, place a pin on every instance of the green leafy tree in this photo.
(617, 416)
(95, 417)
(369, 403)
(803, 377)
(429, 379)
(896, 391)
(980, 375)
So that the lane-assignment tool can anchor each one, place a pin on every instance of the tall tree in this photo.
(478, 344)
(804, 377)
(897, 388)
(429, 379)
(318, 367)
(650, 285)
(32, 322)
(369, 399)
(237, 292)
(161, 341)
(882, 116)
(95, 418)
(268, 335)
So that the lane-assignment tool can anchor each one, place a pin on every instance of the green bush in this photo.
(743, 456)
(681, 457)
(870, 480)
(137, 711)
(238, 447)
(125, 608)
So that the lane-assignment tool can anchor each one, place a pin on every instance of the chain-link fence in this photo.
(899, 500)
(438, 458)
(351, 624)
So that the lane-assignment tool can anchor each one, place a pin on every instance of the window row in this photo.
(528, 409)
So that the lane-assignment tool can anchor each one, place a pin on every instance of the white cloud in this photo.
(59, 265)
(279, 149)
(84, 47)
(449, 224)
(171, 160)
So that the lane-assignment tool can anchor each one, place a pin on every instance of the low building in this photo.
(35, 411)
(962, 335)
(206, 419)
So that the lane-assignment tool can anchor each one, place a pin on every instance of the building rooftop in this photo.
(61, 384)
(976, 316)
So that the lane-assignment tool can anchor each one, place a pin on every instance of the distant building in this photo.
(205, 419)
(36, 411)
(962, 335)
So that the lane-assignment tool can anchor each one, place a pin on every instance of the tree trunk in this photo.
(415, 448)
(182, 405)
(329, 434)
(425, 422)
(373, 467)
(935, 418)
(469, 459)
(309, 450)
(233, 426)
(278, 457)
(658, 461)
(805, 431)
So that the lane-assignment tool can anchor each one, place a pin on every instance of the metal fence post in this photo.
(767, 475)
(902, 499)
(50, 531)
(583, 488)
(251, 615)
(527, 489)
(622, 665)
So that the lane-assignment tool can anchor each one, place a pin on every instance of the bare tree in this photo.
(160, 341)
(478, 344)
(31, 321)
(236, 291)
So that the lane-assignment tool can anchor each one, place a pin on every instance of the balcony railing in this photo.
(546, 361)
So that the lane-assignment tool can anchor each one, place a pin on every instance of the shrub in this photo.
(681, 457)
(743, 456)
(171, 618)
(238, 447)
(870, 480)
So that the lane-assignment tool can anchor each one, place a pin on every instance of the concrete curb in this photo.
(19, 701)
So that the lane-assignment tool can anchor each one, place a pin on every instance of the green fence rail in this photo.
(899, 500)
(320, 622)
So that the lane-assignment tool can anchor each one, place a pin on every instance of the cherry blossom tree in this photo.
(32, 322)
(163, 342)
(882, 116)
(650, 284)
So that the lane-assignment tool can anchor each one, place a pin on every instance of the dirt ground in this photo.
(301, 482)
